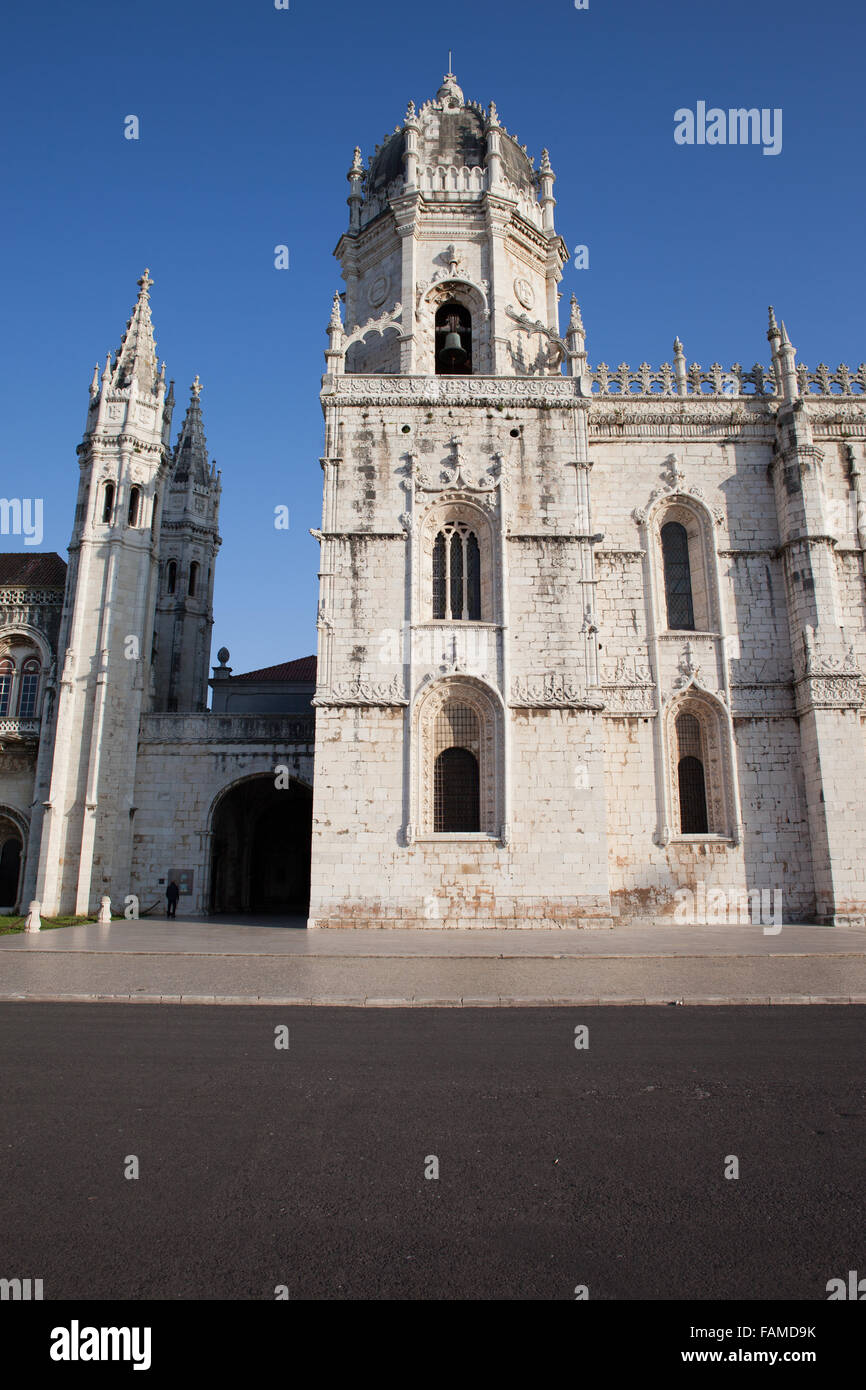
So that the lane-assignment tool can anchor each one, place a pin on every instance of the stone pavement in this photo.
(276, 961)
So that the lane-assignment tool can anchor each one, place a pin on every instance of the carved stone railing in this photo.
(14, 727)
(715, 381)
(227, 728)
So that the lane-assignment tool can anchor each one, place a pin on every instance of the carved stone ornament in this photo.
(363, 692)
(456, 471)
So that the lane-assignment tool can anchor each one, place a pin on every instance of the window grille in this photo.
(690, 772)
(456, 801)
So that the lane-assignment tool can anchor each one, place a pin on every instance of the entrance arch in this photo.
(11, 860)
(261, 840)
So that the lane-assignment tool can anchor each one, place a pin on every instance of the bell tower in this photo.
(189, 541)
(451, 233)
(107, 628)
(459, 754)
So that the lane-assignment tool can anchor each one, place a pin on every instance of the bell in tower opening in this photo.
(453, 340)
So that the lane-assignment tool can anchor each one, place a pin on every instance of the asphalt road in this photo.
(558, 1167)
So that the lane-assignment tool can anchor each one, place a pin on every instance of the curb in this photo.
(482, 1002)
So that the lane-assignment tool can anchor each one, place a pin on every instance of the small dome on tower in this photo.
(452, 133)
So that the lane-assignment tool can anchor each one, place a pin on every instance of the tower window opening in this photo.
(134, 506)
(453, 338)
(457, 574)
(171, 577)
(678, 577)
(108, 503)
(193, 578)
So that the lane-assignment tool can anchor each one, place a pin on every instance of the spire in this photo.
(136, 356)
(190, 452)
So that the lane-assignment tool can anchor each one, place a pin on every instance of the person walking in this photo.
(172, 893)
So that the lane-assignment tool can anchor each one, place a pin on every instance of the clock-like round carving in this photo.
(378, 291)
(524, 291)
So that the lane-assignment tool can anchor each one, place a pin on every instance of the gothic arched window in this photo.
(690, 777)
(457, 574)
(134, 505)
(153, 516)
(459, 731)
(453, 339)
(171, 576)
(29, 689)
(108, 503)
(193, 578)
(678, 576)
(7, 675)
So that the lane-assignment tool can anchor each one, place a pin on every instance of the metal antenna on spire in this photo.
(449, 60)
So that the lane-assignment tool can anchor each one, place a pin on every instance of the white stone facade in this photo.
(573, 687)
(587, 638)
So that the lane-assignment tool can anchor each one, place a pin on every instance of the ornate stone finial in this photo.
(545, 162)
(196, 387)
(223, 656)
(357, 168)
(144, 284)
(576, 321)
(678, 348)
(336, 319)
(449, 93)
(786, 341)
(410, 112)
(492, 114)
(773, 331)
(94, 384)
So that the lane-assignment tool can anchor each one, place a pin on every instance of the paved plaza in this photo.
(276, 960)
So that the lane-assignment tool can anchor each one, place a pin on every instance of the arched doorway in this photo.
(11, 852)
(261, 844)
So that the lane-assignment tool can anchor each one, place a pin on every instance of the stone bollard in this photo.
(104, 910)
(34, 920)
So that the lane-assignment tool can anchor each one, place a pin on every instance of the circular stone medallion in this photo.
(378, 291)
(524, 291)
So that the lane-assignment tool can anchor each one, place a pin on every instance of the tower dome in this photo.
(453, 133)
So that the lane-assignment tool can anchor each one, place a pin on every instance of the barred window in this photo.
(456, 792)
(456, 782)
(690, 774)
(457, 574)
(678, 578)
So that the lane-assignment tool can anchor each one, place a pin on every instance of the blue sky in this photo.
(248, 120)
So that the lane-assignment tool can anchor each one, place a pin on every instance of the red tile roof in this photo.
(300, 672)
(23, 571)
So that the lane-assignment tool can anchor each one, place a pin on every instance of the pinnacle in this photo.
(136, 356)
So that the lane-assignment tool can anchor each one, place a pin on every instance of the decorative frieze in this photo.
(551, 692)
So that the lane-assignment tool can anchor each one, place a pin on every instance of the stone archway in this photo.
(261, 839)
(11, 857)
